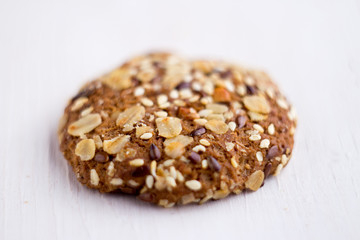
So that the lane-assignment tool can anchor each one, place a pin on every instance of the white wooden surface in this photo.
(312, 49)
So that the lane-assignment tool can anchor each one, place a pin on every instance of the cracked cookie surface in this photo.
(173, 131)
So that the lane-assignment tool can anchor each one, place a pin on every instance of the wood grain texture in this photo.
(311, 48)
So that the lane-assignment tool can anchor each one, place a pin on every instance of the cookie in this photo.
(173, 131)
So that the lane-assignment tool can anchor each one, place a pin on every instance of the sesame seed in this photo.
(132, 183)
(139, 91)
(168, 162)
(161, 114)
(200, 121)
(188, 78)
(255, 137)
(137, 162)
(292, 114)
(229, 146)
(196, 86)
(270, 92)
(271, 129)
(186, 93)
(151, 118)
(164, 105)
(153, 168)
(146, 136)
(111, 169)
(179, 176)
(204, 164)
(233, 162)
(161, 99)
(195, 98)
(232, 126)
(259, 156)
(206, 100)
(174, 94)
(170, 181)
(147, 102)
(199, 148)
(265, 143)
(241, 90)
(229, 85)
(180, 103)
(249, 80)
(193, 185)
(284, 159)
(116, 181)
(208, 87)
(149, 181)
(292, 131)
(228, 115)
(205, 112)
(204, 142)
(173, 172)
(258, 127)
(282, 103)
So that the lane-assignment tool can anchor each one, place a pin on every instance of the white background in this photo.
(49, 49)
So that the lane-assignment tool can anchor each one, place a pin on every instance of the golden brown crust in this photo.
(172, 131)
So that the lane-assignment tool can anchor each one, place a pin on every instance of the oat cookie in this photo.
(173, 131)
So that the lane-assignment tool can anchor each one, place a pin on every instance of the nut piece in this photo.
(130, 116)
(257, 103)
(79, 103)
(265, 143)
(217, 108)
(94, 177)
(188, 113)
(85, 149)
(257, 117)
(169, 127)
(232, 126)
(255, 180)
(193, 185)
(221, 95)
(278, 169)
(119, 79)
(188, 198)
(98, 141)
(116, 144)
(175, 147)
(84, 125)
(144, 129)
(218, 127)
(229, 146)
